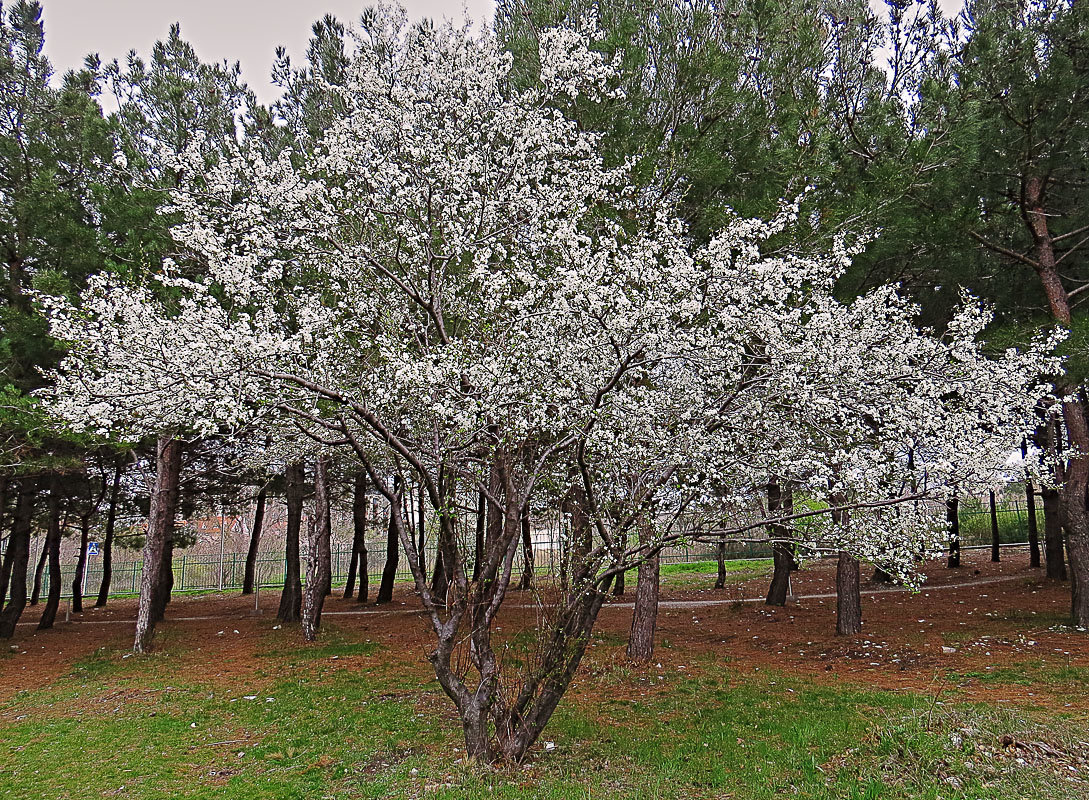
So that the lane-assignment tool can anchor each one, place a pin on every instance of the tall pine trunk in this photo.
(359, 538)
(81, 563)
(19, 550)
(291, 597)
(160, 528)
(255, 541)
(1054, 555)
(39, 571)
(996, 554)
(318, 569)
(52, 550)
(393, 551)
(1033, 529)
(107, 542)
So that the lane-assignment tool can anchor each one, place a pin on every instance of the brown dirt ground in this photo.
(1014, 623)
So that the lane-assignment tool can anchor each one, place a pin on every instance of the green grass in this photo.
(135, 728)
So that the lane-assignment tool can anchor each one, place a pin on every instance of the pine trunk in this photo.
(19, 551)
(39, 571)
(52, 550)
(318, 569)
(107, 542)
(81, 564)
(291, 597)
(160, 527)
(359, 539)
(1054, 555)
(720, 559)
(996, 554)
(1033, 529)
(255, 541)
(393, 552)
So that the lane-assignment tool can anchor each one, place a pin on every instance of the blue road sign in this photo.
(92, 548)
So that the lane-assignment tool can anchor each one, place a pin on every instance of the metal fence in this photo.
(211, 572)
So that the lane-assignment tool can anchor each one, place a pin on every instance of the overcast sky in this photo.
(247, 31)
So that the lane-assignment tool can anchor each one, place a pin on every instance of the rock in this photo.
(948, 651)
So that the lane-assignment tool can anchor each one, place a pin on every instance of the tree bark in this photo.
(39, 571)
(644, 618)
(393, 551)
(1033, 529)
(107, 542)
(81, 563)
(780, 502)
(478, 546)
(19, 550)
(952, 516)
(319, 568)
(1072, 496)
(52, 549)
(1054, 554)
(619, 583)
(359, 539)
(848, 596)
(291, 596)
(720, 559)
(164, 507)
(527, 552)
(996, 554)
(255, 541)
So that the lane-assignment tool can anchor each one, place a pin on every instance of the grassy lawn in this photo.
(702, 573)
(347, 719)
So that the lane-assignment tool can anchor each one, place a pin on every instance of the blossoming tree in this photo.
(452, 288)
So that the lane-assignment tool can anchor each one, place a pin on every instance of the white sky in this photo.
(247, 31)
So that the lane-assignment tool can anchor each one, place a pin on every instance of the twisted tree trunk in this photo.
(644, 618)
(848, 596)
(780, 502)
(393, 551)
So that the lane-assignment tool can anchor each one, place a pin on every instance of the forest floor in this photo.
(973, 688)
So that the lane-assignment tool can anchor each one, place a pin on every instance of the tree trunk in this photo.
(720, 558)
(620, 580)
(996, 554)
(52, 549)
(359, 539)
(107, 542)
(19, 550)
(1072, 499)
(81, 564)
(1054, 555)
(478, 547)
(319, 568)
(160, 527)
(255, 541)
(393, 551)
(39, 571)
(848, 596)
(1033, 529)
(645, 616)
(780, 503)
(527, 552)
(952, 516)
(291, 597)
